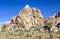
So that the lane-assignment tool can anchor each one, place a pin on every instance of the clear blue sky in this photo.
(10, 8)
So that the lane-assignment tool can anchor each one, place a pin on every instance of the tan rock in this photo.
(27, 18)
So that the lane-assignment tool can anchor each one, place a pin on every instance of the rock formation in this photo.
(26, 18)
(55, 18)
(30, 24)
(29, 17)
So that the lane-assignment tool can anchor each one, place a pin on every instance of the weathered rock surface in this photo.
(29, 17)
(30, 24)
(26, 18)
(55, 18)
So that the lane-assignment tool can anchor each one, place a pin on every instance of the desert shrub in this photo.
(48, 24)
(3, 28)
(28, 35)
(59, 31)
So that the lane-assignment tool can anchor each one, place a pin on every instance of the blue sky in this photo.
(10, 8)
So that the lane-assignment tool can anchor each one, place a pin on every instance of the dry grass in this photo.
(28, 35)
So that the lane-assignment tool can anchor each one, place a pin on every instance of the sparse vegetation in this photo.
(30, 34)
(3, 28)
(28, 24)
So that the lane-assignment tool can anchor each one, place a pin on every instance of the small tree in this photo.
(48, 26)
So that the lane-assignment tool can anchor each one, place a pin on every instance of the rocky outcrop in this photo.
(26, 18)
(29, 17)
(55, 19)
(57, 16)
